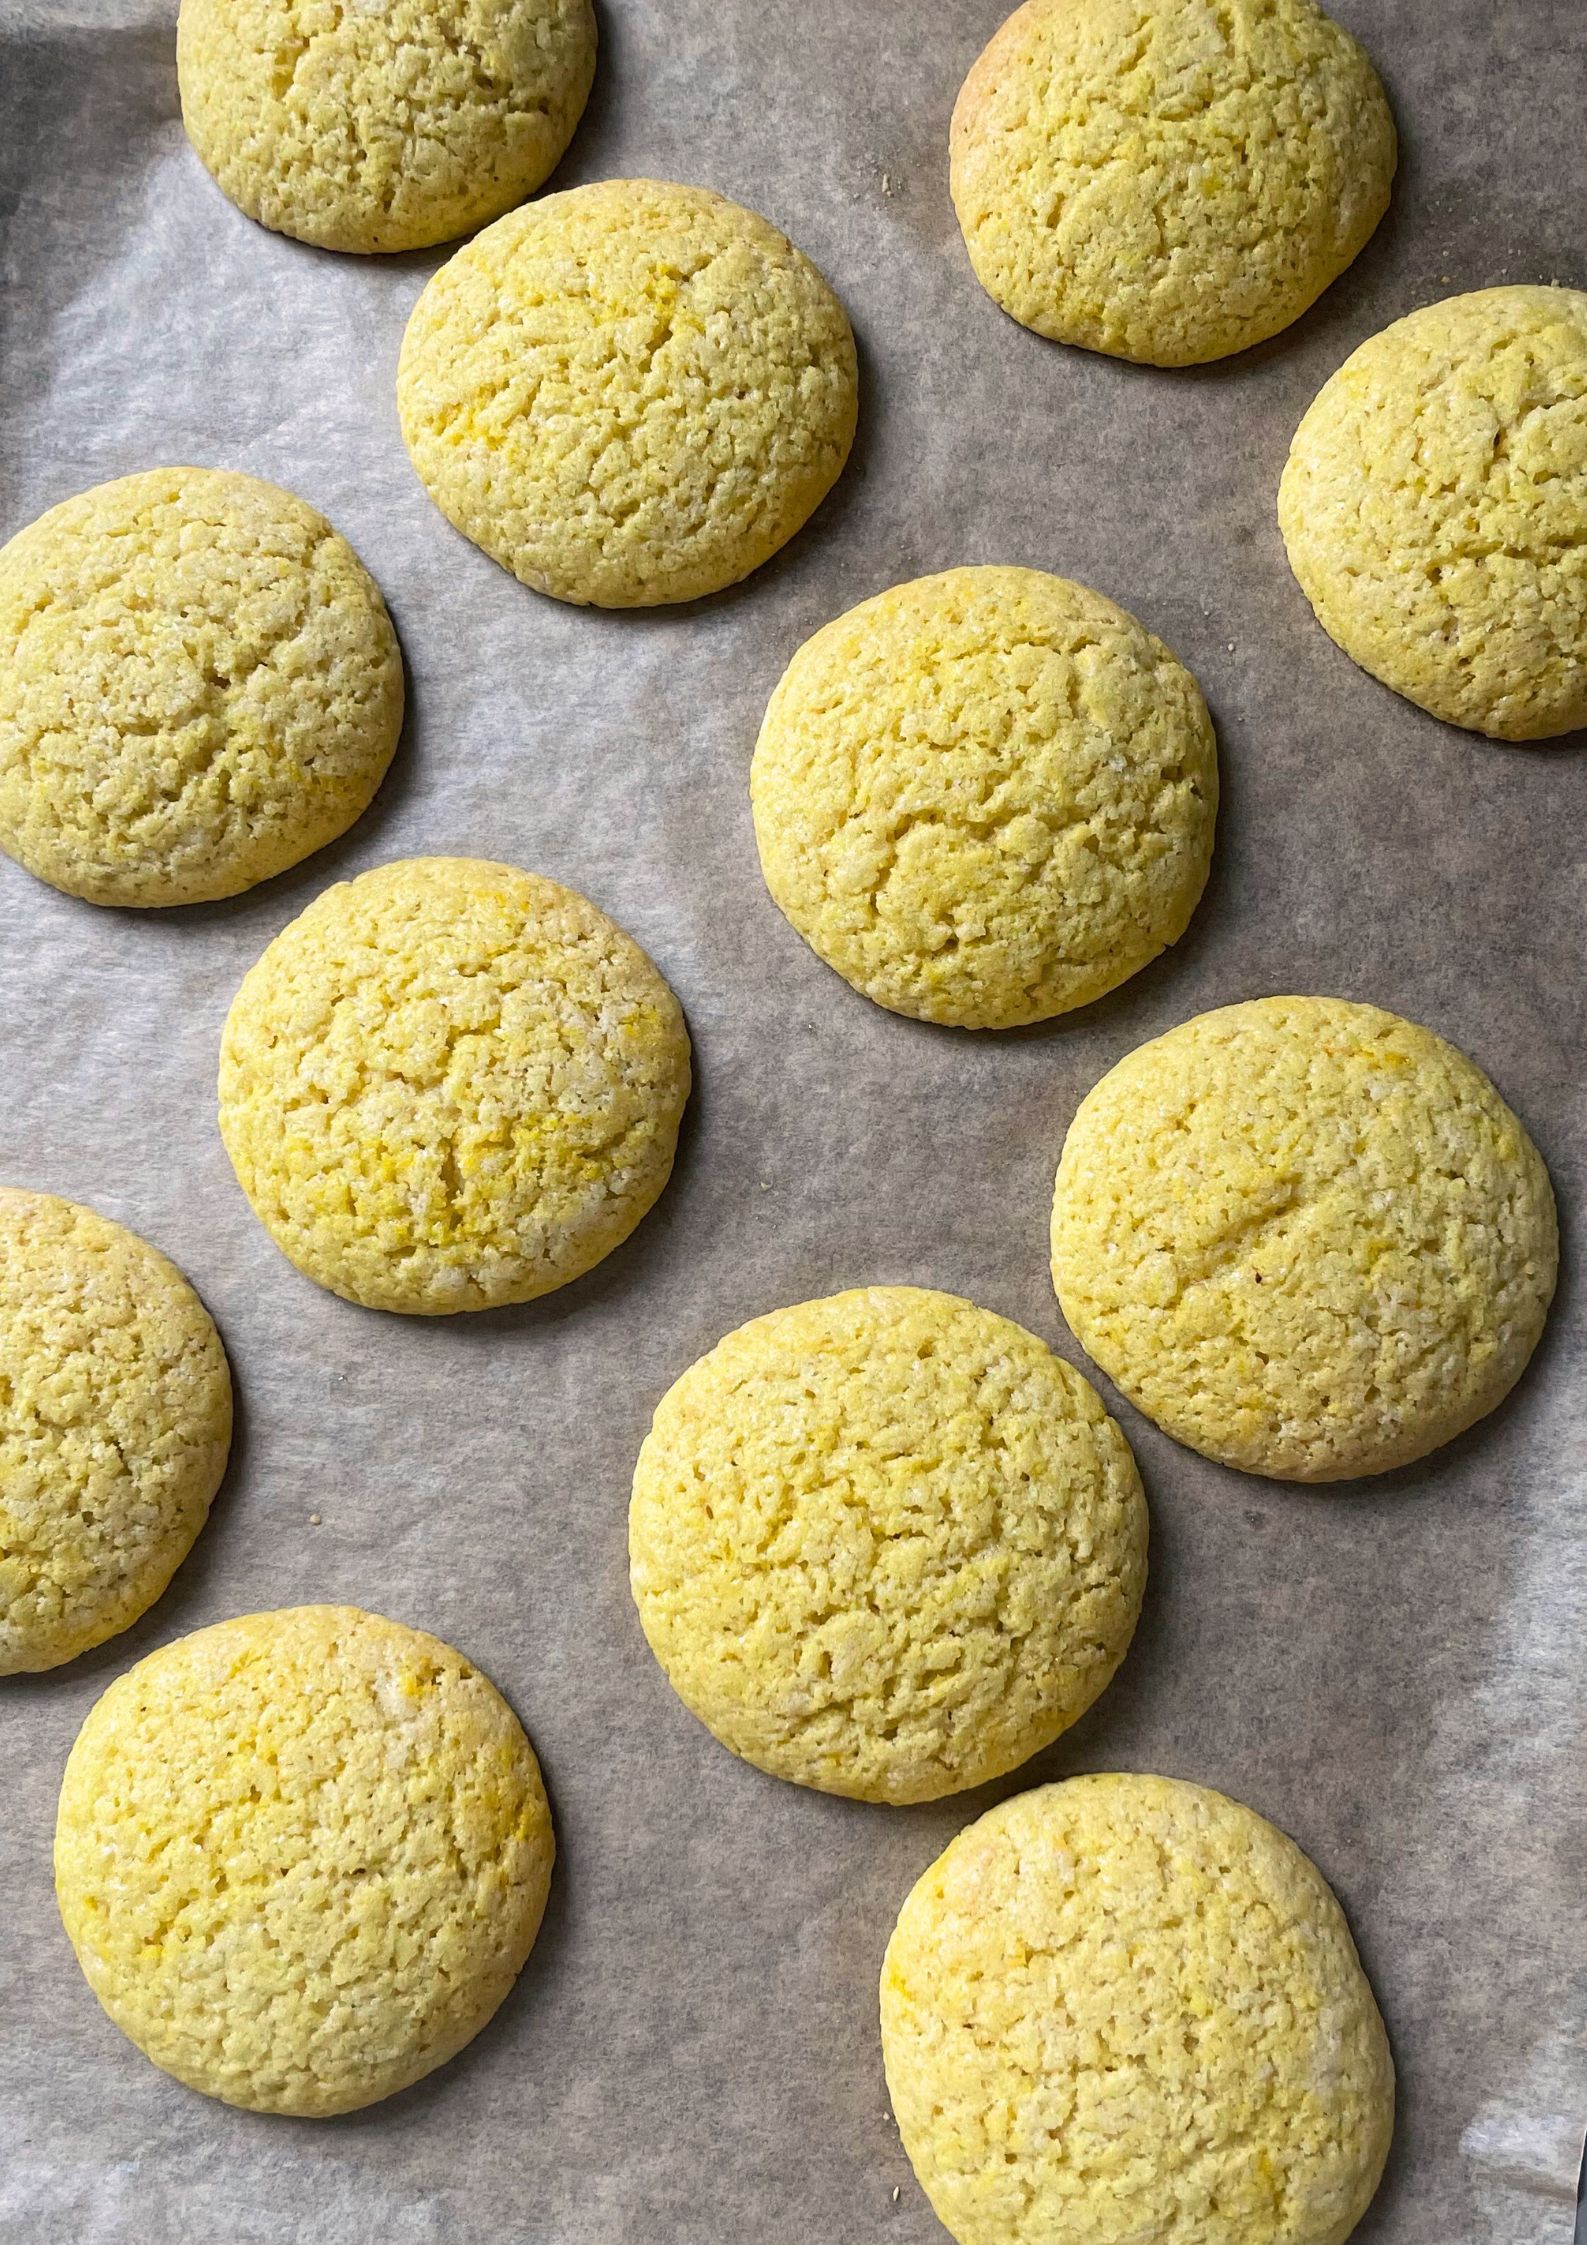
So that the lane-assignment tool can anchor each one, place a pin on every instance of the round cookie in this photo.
(1309, 1239)
(115, 1423)
(986, 797)
(1123, 2008)
(199, 685)
(886, 1544)
(449, 1085)
(302, 1857)
(629, 393)
(386, 127)
(1168, 184)
(1435, 510)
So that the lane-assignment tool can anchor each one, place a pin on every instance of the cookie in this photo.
(886, 1544)
(1128, 2008)
(385, 127)
(1435, 510)
(629, 393)
(1168, 184)
(1309, 1239)
(199, 685)
(115, 1423)
(302, 1857)
(986, 797)
(449, 1084)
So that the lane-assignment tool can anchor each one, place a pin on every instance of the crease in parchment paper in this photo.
(1539, 2153)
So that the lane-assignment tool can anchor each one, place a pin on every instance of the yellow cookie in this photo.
(199, 685)
(1435, 510)
(302, 1857)
(1309, 1239)
(986, 797)
(115, 1423)
(629, 393)
(381, 127)
(449, 1085)
(1125, 2008)
(1168, 183)
(886, 1544)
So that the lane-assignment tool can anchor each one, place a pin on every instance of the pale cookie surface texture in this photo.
(1172, 182)
(302, 1857)
(1123, 2008)
(986, 797)
(199, 685)
(1435, 510)
(628, 394)
(886, 1544)
(387, 127)
(1306, 1237)
(450, 1084)
(115, 1423)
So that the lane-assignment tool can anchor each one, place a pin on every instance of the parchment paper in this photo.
(1394, 1673)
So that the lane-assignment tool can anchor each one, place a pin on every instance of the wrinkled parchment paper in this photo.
(1394, 1673)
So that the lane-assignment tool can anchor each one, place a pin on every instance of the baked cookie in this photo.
(302, 1857)
(386, 127)
(986, 797)
(1127, 2008)
(199, 685)
(1309, 1239)
(449, 1085)
(629, 393)
(886, 1544)
(115, 1423)
(1435, 510)
(1171, 183)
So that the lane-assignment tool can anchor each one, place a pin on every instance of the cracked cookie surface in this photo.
(451, 1084)
(115, 1423)
(628, 394)
(1307, 1238)
(302, 1857)
(1434, 507)
(1168, 180)
(886, 1544)
(382, 128)
(1124, 2007)
(986, 797)
(199, 686)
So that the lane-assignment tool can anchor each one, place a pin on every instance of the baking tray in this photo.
(1393, 1672)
